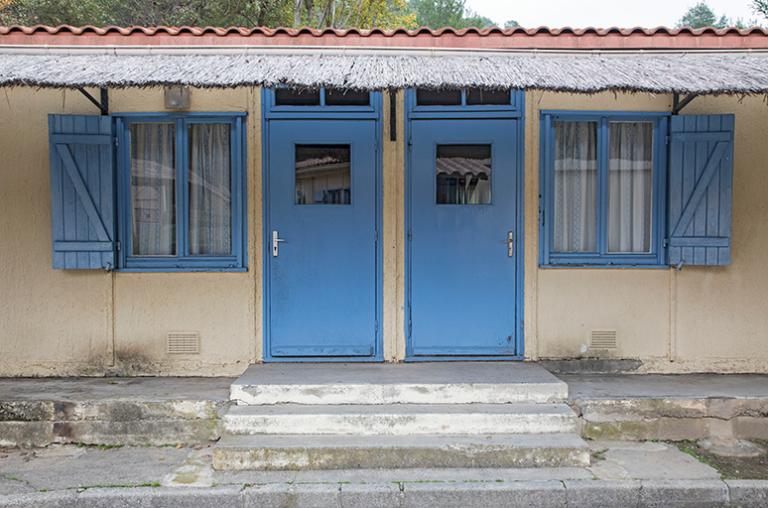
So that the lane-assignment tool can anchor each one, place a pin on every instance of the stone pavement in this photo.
(622, 474)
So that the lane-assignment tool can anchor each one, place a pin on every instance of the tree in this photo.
(760, 7)
(352, 13)
(702, 16)
(438, 13)
(472, 19)
(315, 13)
(441, 13)
(511, 24)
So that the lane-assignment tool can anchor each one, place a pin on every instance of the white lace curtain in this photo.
(153, 189)
(630, 186)
(575, 158)
(210, 203)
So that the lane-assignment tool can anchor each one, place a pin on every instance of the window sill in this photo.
(180, 270)
(576, 264)
(209, 264)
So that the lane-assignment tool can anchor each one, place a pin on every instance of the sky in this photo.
(602, 13)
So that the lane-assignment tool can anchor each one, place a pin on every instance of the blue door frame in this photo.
(512, 111)
(318, 114)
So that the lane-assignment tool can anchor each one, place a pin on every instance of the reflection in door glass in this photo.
(323, 175)
(463, 174)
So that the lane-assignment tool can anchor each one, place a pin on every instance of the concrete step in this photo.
(404, 383)
(401, 419)
(313, 452)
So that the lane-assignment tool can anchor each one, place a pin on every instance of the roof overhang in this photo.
(684, 72)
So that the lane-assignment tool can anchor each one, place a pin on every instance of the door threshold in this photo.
(320, 359)
(465, 358)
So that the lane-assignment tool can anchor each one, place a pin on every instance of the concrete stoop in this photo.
(293, 417)
(663, 418)
(670, 407)
(116, 422)
(538, 493)
(291, 452)
(120, 411)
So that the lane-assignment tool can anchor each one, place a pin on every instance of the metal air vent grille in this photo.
(183, 343)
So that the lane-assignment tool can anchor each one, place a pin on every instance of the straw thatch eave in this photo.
(685, 73)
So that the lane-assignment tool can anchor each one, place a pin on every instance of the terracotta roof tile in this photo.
(469, 38)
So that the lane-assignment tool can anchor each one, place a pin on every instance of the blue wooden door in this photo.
(322, 239)
(462, 257)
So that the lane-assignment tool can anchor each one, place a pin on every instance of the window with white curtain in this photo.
(183, 183)
(602, 187)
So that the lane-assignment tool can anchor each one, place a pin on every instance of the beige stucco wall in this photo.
(700, 318)
(55, 322)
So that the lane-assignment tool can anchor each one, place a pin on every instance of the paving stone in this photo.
(462, 495)
(386, 495)
(731, 447)
(298, 495)
(219, 497)
(650, 461)
(66, 467)
(683, 493)
(597, 494)
(61, 499)
(748, 493)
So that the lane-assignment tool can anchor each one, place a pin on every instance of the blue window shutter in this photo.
(700, 190)
(82, 191)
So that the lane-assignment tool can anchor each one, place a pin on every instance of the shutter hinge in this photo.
(376, 328)
(117, 246)
(665, 243)
(666, 138)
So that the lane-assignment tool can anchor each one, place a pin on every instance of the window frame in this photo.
(655, 258)
(273, 109)
(236, 261)
(485, 110)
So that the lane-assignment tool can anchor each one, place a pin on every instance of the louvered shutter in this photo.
(700, 190)
(82, 191)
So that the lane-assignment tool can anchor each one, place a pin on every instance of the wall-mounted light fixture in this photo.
(177, 97)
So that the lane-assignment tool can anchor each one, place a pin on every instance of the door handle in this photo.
(276, 243)
(511, 244)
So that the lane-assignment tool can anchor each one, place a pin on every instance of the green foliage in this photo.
(475, 20)
(702, 16)
(314, 13)
(511, 24)
(441, 13)
(760, 7)
(438, 13)
(273, 13)
(147, 12)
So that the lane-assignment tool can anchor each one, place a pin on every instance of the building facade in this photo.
(195, 226)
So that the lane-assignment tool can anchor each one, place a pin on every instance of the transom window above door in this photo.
(464, 97)
(602, 188)
(182, 191)
(321, 97)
